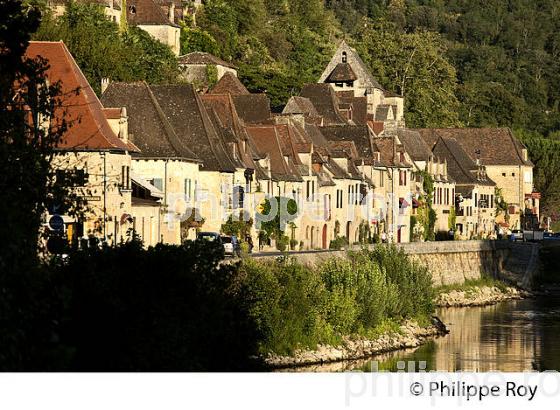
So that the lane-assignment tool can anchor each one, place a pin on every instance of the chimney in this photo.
(104, 84)
(123, 126)
(172, 12)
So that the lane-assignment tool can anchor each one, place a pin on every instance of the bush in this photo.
(282, 243)
(293, 244)
(168, 308)
(296, 307)
(338, 243)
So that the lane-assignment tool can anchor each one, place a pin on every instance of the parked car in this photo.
(516, 235)
(551, 236)
(231, 245)
(209, 236)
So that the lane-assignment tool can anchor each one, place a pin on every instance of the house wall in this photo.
(173, 174)
(169, 35)
(512, 181)
(103, 187)
(146, 221)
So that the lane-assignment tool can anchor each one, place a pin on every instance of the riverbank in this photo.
(409, 335)
(479, 293)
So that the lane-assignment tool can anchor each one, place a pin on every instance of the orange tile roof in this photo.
(82, 110)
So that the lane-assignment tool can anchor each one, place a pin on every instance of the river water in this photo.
(512, 336)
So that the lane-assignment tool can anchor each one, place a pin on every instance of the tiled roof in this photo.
(229, 84)
(459, 165)
(359, 109)
(146, 13)
(266, 141)
(300, 105)
(341, 73)
(390, 154)
(325, 101)
(186, 114)
(494, 146)
(359, 135)
(82, 110)
(414, 144)
(253, 108)
(148, 126)
(201, 58)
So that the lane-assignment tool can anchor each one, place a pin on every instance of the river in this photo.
(513, 336)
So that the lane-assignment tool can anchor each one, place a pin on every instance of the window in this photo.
(356, 196)
(238, 197)
(341, 85)
(402, 178)
(308, 190)
(475, 200)
(513, 174)
(125, 178)
(339, 198)
(503, 174)
(344, 57)
(188, 189)
(491, 201)
(157, 182)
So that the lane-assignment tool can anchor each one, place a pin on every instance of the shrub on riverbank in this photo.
(298, 307)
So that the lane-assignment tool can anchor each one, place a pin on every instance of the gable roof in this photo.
(341, 73)
(229, 84)
(414, 144)
(82, 110)
(146, 13)
(459, 165)
(359, 109)
(267, 143)
(357, 134)
(202, 58)
(253, 108)
(300, 105)
(387, 149)
(324, 98)
(185, 112)
(494, 146)
(148, 126)
(360, 68)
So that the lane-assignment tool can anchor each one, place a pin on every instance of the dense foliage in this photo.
(298, 307)
(103, 51)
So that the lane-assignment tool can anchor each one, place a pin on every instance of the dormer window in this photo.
(344, 57)
(132, 9)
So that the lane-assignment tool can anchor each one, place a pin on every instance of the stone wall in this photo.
(454, 262)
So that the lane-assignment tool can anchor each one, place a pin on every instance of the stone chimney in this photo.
(104, 84)
(123, 126)
(171, 12)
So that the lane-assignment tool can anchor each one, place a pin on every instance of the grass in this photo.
(471, 284)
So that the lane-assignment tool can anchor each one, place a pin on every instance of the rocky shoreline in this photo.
(411, 335)
(480, 296)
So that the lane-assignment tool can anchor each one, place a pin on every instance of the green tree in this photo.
(413, 65)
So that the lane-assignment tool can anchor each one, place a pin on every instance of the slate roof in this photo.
(382, 112)
(146, 13)
(253, 108)
(229, 84)
(148, 127)
(341, 73)
(414, 144)
(202, 58)
(497, 146)
(323, 97)
(460, 166)
(82, 110)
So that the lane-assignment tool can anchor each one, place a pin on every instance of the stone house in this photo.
(351, 79)
(205, 70)
(506, 162)
(92, 149)
(475, 191)
(152, 18)
(443, 197)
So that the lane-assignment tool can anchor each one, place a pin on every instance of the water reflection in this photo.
(510, 337)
